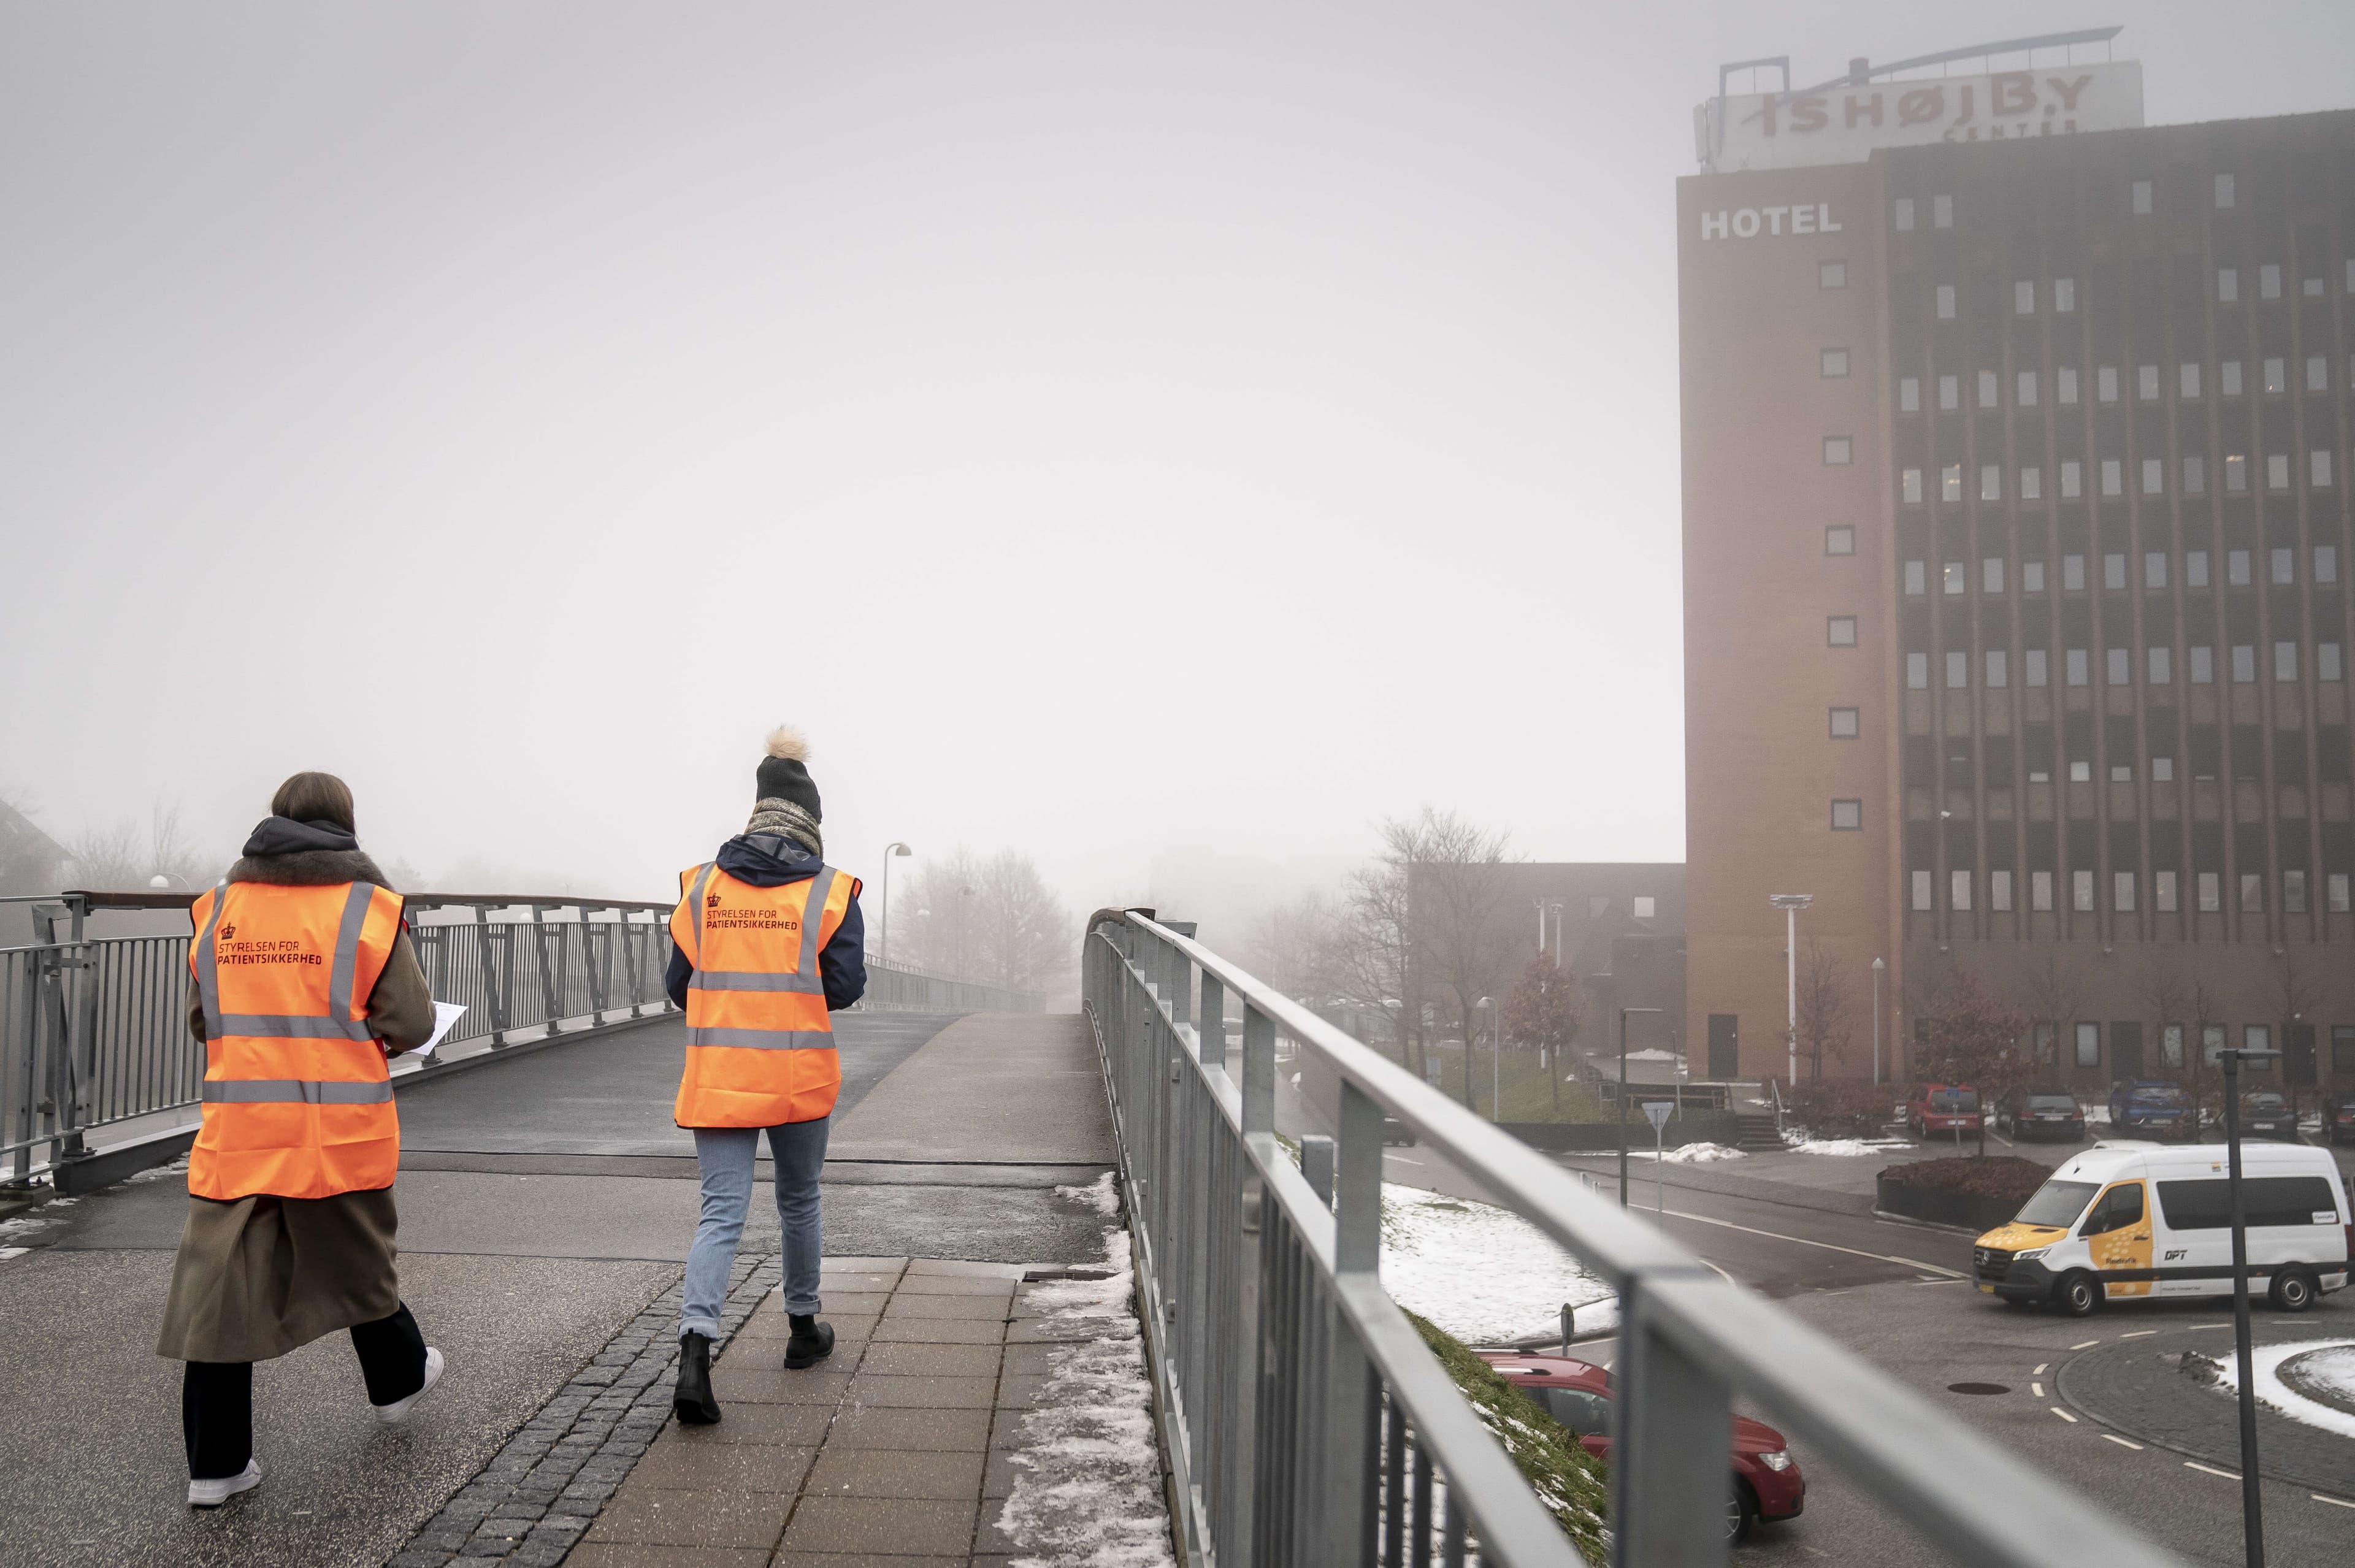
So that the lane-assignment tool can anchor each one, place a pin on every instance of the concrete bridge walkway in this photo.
(546, 1204)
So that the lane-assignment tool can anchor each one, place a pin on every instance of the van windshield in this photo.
(2057, 1204)
(1954, 1100)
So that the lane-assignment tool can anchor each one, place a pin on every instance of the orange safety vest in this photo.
(760, 1041)
(297, 1102)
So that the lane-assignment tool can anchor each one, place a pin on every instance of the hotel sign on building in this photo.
(1844, 124)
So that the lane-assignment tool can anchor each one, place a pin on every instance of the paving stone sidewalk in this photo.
(897, 1449)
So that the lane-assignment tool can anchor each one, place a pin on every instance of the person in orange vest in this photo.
(301, 981)
(766, 943)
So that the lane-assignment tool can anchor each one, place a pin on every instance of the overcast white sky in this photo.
(1107, 429)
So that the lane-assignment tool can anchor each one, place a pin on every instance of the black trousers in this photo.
(217, 1397)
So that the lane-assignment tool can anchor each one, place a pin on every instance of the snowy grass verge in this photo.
(1689, 1154)
(1483, 1273)
(1797, 1142)
(1567, 1479)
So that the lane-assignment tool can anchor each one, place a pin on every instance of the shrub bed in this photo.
(1979, 1193)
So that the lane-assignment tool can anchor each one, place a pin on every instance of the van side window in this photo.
(2269, 1200)
(2121, 1206)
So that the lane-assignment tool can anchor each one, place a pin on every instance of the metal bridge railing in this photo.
(1306, 1422)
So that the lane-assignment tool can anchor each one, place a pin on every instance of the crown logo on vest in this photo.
(712, 901)
(229, 932)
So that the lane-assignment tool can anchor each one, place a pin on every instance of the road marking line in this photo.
(2209, 1470)
(2064, 1416)
(2085, 1345)
(1828, 1246)
(2140, 1334)
(2041, 1366)
(1403, 1160)
(2035, 1390)
(2122, 1442)
(2334, 1502)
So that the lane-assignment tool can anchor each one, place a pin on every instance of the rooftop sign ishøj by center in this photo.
(1845, 124)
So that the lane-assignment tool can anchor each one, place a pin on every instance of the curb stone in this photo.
(538, 1494)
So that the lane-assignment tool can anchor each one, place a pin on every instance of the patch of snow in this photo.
(1087, 1483)
(1103, 1195)
(2265, 1362)
(1797, 1142)
(1691, 1154)
(178, 1168)
(28, 1226)
(1484, 1273)
(8, 1253)
(2097, 1115)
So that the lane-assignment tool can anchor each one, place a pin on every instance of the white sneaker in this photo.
(212, 1494)
(399, 1409)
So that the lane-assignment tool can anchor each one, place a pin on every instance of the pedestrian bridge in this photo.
(994, 1170)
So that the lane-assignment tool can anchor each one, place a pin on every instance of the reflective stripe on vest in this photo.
(760, 1048)
(295, 1091)
(803, 980)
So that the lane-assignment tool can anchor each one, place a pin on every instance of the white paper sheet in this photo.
(445, 1014)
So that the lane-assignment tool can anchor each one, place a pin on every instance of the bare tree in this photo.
(122, 858)
(1296, 947)
(1974, 1039)
(1827, 1010)
(1375, 952)
(991, 919)
(1544, 1009)
(1456, 886)
(2050, 983)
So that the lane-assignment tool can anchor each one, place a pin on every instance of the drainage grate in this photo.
(1978, 1388)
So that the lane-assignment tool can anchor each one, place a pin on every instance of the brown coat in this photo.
(259, 1276)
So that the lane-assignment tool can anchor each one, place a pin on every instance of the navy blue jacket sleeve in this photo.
(675, 978)
(843, 965)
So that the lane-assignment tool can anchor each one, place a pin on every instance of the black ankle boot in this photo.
(812, 1342)
(693, 1402)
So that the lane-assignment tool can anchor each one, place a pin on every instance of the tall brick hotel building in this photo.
(2017, 438)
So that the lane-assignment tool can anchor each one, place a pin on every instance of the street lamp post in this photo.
(2252, 1519)
(1623, 1096)
(1496, 1058)
(1879, 967)
(883, 937)
(1791, 904)
(1555, 910)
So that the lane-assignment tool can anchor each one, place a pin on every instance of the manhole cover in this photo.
(1978, 1388)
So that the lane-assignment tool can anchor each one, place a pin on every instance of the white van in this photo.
(2124, 1220)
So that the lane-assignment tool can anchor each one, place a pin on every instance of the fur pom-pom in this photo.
(786, 741)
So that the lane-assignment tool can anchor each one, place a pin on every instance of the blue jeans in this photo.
(725, 1156)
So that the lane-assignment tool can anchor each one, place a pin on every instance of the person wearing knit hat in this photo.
(752, 925)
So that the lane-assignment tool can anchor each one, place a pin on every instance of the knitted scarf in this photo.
(771, 815)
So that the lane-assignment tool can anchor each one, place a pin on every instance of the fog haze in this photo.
(1121, 434)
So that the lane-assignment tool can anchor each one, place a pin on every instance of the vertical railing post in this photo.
(493, 993)
(599, 956)
(546, 970)
(628, 937)
(1352, 1441)
(1673, 1420)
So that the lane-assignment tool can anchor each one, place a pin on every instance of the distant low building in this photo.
(30, 860)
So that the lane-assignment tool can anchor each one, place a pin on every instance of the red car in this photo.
(1766, 1481)
(1941, 1108)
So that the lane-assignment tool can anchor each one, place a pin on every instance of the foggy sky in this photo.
(516, 409)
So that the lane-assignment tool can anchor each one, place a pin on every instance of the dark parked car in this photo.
(1766, 1481)
(2026, 1114)
(2146, 1108)
(2339, 1119)
(2267, 1115)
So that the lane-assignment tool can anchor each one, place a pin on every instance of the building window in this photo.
(1910, 487)
(2293, 892)
(2122, 891)
(1909, 394)
(2160, 666)
(2276, 372)
(2024, 385)
(2162, 771)
(1958, 891)
(1917, 672)
(2236, 568)
(2031, 577)
(2212, 1042)
(2072, 481)
(2277, 472)
(1958, 669)
(1950, 481)
(1831, 274)
(2269, 282)
(2237, 473)
(2170, 1037)
(1942, 212)
(2141, 198)
(1950, 394)
(2228, 286)
(2223, 191)
(2151, 484)
(2000, 891)
(2147, 383)
(2212, 898)
(2106, 383)
(2073, 572)
(2064, 295)
(1990, 482)
(1991, 574)
(2245, 663)
(1905, 215)
(2034, 665)
(2032, 484)
(1646, 906)
(2113, 478)
(1840, 540)
(2203, 666)
(2317, 469)
(2285, 662)
(1987, 397)
(2195, 477)
(2336, 884)
(1848, 815)
(1951, 576)
(2317, 373)
(2122, 772)
(2079, 667)
(1835, 362)
(1847, 723)
(1920, 891)
(1917, 578)
(1945, 301)
(2080, 772)
(2253, 893)
(2162, 887)
(2228, 374)
(1838, 451)
(2327, 665)
(2081, 891)
(2284, 566)
(1839, 631)
(2187, 381)
(2154, 569)
(1998, 671)
(2039, 893)
(2065, 381)
(2113, 570)
(2258, 1037)
(2120, 671)
(2023, 297)
(2089, 1036)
